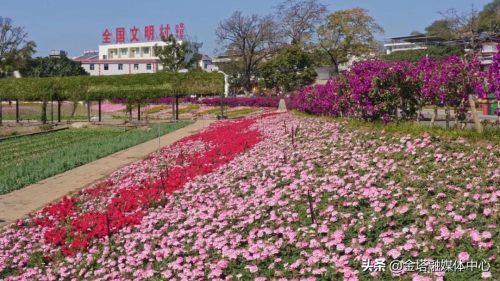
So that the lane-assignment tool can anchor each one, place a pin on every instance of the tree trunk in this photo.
(222, 106)
(173, 110)
(52, 111)
(59, 111)
(138, 112)
(455, 119)
(100, 112)
(1, 114)
(176, 107)
(336, 69)
(447, 114)
(44, 112)
(477, 122)
(88, 111)
(17, 111)
(73, 110)
(434, 116)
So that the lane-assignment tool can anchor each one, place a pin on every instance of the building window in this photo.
(145, 50)
(91, 67)
(104, 57)
(120, 66)
(148, 66)
(106, 66)
(123, 51)
(136, 66)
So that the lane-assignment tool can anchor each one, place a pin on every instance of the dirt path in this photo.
(20, 203)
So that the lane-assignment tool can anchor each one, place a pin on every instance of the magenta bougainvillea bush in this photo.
(254, 101)
(377, 89)
(275, 198)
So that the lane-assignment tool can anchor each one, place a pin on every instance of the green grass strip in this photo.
(51, 154)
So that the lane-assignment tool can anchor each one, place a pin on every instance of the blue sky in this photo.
(76, 26)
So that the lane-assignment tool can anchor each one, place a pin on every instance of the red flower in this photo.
(127, 206)
(55, 236)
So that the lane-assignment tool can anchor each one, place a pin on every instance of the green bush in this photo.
(133, 88)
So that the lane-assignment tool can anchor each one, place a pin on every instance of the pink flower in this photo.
(252, 268)
(394, 253)
(487, 212)
(475, 236)
(403, 209)
(418, 277)
(463, 256)
(444, 232)
(486, 275)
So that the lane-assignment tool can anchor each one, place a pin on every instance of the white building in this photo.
(412, 42)
(127, 58)
(206, 63)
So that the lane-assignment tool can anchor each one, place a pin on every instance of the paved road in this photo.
(19, 203)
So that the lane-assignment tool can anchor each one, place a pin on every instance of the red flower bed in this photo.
(74, 228)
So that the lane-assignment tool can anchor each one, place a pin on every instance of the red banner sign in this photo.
(148, 35)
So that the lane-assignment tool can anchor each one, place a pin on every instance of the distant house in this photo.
(487, 43)
(57, 54)
(488, 47)
(206, 64)
(412, 42)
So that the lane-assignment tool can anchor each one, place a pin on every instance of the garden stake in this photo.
(311, 210)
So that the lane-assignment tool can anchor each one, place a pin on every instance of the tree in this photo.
(299, 19)
(15, 48)
(348, 33)
(489, 17)
(174, 56)
(289, 70)
(436, 52)
(249, 39)
(443, 28)
(53, 67)
(234, 70)
(416, 33)
(453, 25)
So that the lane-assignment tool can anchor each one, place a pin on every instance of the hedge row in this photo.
(135, 87)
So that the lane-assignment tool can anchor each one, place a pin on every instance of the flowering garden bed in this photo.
(381, 90)
(274, 196)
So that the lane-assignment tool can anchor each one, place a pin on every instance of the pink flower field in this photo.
(275, 197)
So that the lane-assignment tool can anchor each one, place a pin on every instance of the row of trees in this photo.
(16, 52)
(136, 87)
(469, 25)
(15, 47)
(279, 50)
(283, 47)
(467, 28)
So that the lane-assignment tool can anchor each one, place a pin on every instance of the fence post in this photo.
(176, 107)
(58, 111)
(88, 111)
(222, 106)
(99, 101)
(52, 111)
(44, 112)
(17, 110)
